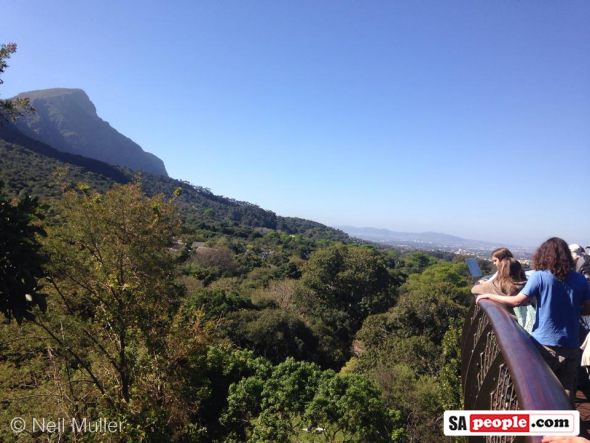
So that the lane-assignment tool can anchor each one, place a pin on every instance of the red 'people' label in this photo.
(499, 423)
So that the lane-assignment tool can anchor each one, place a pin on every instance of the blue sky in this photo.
(468, 117)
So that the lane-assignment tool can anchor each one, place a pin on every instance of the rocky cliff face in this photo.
(66, 119)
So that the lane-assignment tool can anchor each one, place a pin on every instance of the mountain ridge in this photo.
(67, 120)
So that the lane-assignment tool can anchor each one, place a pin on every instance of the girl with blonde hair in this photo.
(509, 280)
(497, 256)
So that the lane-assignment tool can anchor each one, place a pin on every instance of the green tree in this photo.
(450, 374)
(349, 409)
(417, 397)
(204, 384)
(430, 301)
(298, 401)
(218, 303)
(379, 344)
(112, 276)
(11, 109)
(416, 262)
(274, 334)
(20, 258)
(20, 261)
(412, 351)
(349, 279)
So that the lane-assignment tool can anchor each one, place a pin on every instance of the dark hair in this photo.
(502, 253)
(554, 255)
(510, 272)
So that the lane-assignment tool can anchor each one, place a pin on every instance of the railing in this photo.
(502, 369)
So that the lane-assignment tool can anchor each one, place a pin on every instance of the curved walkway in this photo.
(583, 405)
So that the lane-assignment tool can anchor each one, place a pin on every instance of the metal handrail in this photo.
(502, 369)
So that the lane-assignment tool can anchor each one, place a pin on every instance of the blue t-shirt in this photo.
(557, 321)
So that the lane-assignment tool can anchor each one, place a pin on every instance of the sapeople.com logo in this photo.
(512, 423)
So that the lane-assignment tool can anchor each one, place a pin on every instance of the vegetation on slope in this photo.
(48, 169)
(230, 340)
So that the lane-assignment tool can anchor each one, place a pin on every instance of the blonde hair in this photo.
(509, 273)
(502, 253)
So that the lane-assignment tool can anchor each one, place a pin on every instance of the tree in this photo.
(351, 280)
(274, 334)
(349, 408)
(450, 374)
(412, 351)
(379, 345)
(416, 397)
(341, 286)
(298, 401)
(431, 301)
(112, 275)
(218, 303)
(20, 258)
(416, 262)
(11, 109)
(20, 261)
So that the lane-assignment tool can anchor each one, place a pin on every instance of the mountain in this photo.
(27, 165)
(66, 120)
(424, 238)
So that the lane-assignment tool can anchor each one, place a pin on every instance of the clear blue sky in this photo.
(469, 117)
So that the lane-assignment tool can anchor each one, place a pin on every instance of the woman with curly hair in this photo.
(560, 293)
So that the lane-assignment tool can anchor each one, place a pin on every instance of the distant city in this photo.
(435, 241)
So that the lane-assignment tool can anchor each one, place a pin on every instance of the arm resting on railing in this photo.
(517, 300)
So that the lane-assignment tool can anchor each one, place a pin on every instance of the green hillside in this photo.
(27, 165)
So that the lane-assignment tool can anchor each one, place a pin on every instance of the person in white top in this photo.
(579, 256)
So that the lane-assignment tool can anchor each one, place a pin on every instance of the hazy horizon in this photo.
(467, 118)
(533, 244)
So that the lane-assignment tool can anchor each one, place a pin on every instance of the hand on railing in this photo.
(481, 297)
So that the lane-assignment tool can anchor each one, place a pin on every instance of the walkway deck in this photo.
(583, 405)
